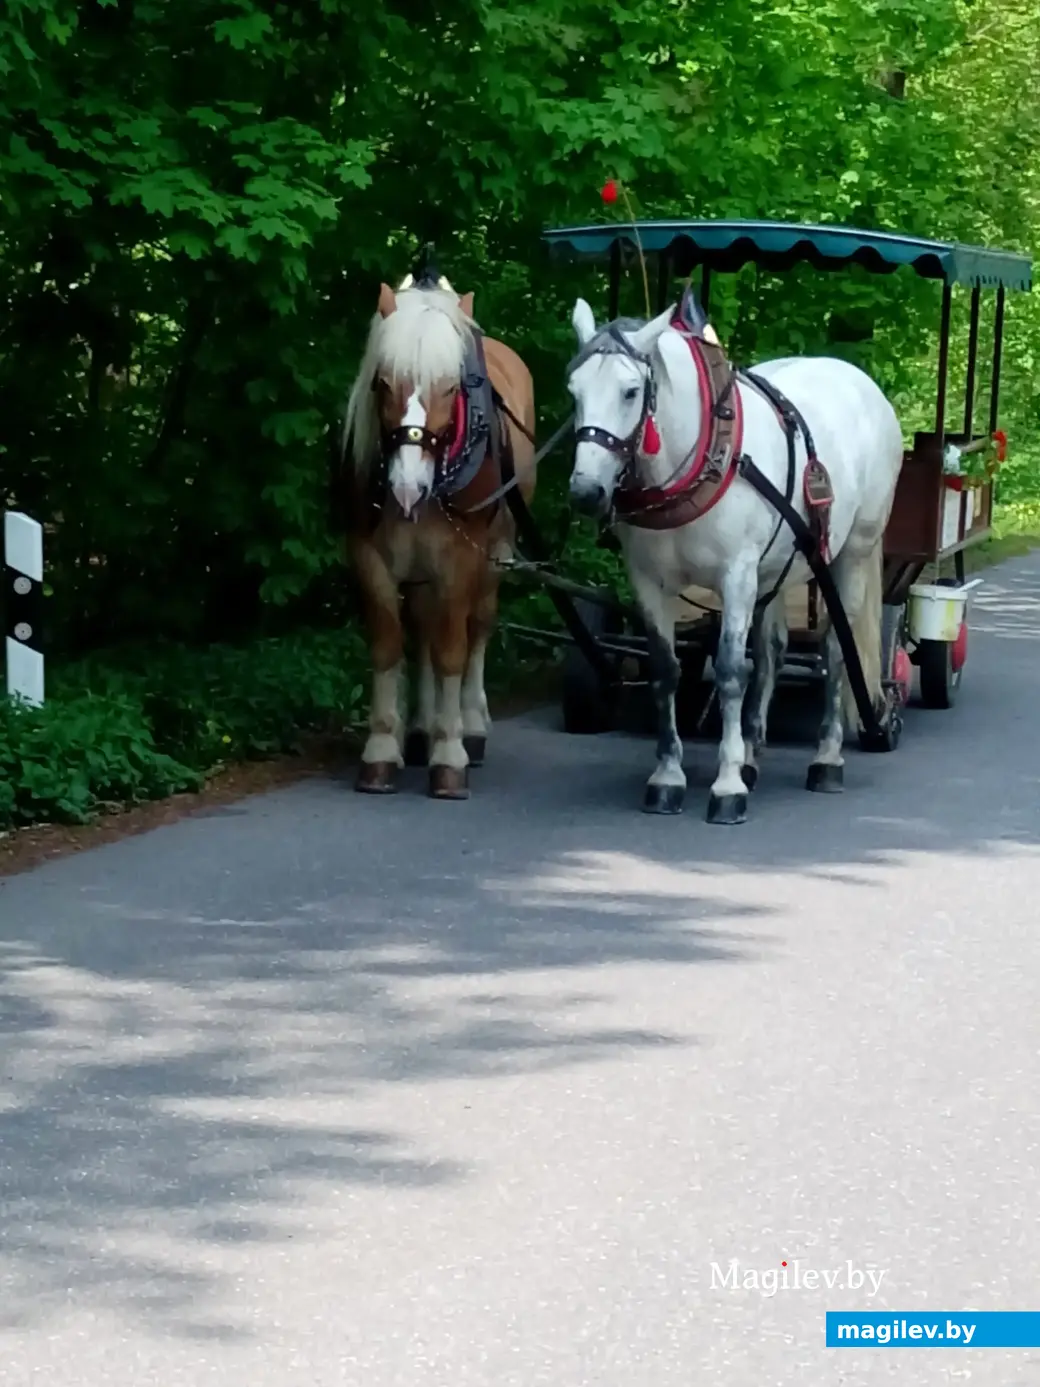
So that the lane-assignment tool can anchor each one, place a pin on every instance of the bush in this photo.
(151, 722)
(65, 760)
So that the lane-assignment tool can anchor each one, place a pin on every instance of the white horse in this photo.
(643, 416)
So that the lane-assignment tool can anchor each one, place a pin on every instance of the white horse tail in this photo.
(865, 620)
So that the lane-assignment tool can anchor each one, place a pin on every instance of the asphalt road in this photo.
(323, 1090)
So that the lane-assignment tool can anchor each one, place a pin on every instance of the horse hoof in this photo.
(448, 783)
(825, 779)
(376, 778)
(417, 748)
(727, 809)
(749, 775)
(475, 749)
(663, 799)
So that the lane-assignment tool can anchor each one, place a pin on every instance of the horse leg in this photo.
(381, 757)
(450, 647)
(727, 802)
(420, 729)
(666, 788)
(858, 580)
(476, 719)
(768, 643)
(417, 747)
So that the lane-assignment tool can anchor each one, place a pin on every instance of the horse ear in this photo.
(645, 337)
(466, 304)
(387, 300)
(584, 322)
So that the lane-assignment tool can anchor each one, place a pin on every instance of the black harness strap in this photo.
(793, 420)
(479, 422)
(542, 452)
(805, 543)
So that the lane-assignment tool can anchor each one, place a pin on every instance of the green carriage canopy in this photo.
(727, 245)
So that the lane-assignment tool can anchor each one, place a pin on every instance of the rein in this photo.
(541, 453)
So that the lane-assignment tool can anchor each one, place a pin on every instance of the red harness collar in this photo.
(707, 473)
(459, 423)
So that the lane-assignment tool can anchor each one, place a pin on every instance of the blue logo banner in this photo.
(940, 1329)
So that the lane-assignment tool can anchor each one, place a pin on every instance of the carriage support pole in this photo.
(614, 295)
(944, 363)
(969, 416)
(998, 350)
(664, 279)
(973, 352)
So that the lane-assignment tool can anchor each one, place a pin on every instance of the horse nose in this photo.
(588, 496)
(410, 496)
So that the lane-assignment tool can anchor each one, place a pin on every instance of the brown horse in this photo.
(429, 454)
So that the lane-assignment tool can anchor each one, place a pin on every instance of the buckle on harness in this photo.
(818, 493)
(817, 487)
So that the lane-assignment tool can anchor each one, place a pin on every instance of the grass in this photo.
(1016, 531)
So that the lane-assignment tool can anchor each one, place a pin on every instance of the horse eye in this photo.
(631, 392)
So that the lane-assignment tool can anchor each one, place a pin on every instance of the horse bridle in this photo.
(436, 444)
(476, 427)
(610, 341)
(417, 435)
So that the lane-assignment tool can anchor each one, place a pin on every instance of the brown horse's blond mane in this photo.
(424, 341)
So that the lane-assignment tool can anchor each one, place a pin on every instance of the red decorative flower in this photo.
(609, 191)
(1000, 439)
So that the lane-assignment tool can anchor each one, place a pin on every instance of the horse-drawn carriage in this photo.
(833, 589)
(937, 514)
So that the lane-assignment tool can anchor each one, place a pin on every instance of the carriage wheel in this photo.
(897, 674)
(941, 664)
(939, 680)
(588, 708)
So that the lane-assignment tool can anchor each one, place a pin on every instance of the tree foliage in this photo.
(199, 201)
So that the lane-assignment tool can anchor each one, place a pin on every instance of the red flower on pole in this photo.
(1000, 439)
(609, 191)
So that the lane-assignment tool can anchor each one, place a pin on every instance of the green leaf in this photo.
(244, 30)
(157, 197)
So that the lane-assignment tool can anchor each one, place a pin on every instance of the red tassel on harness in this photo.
(651, 438)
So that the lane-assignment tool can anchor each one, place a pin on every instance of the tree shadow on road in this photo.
(170, 1063)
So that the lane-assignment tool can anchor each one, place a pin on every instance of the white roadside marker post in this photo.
(23, 606)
